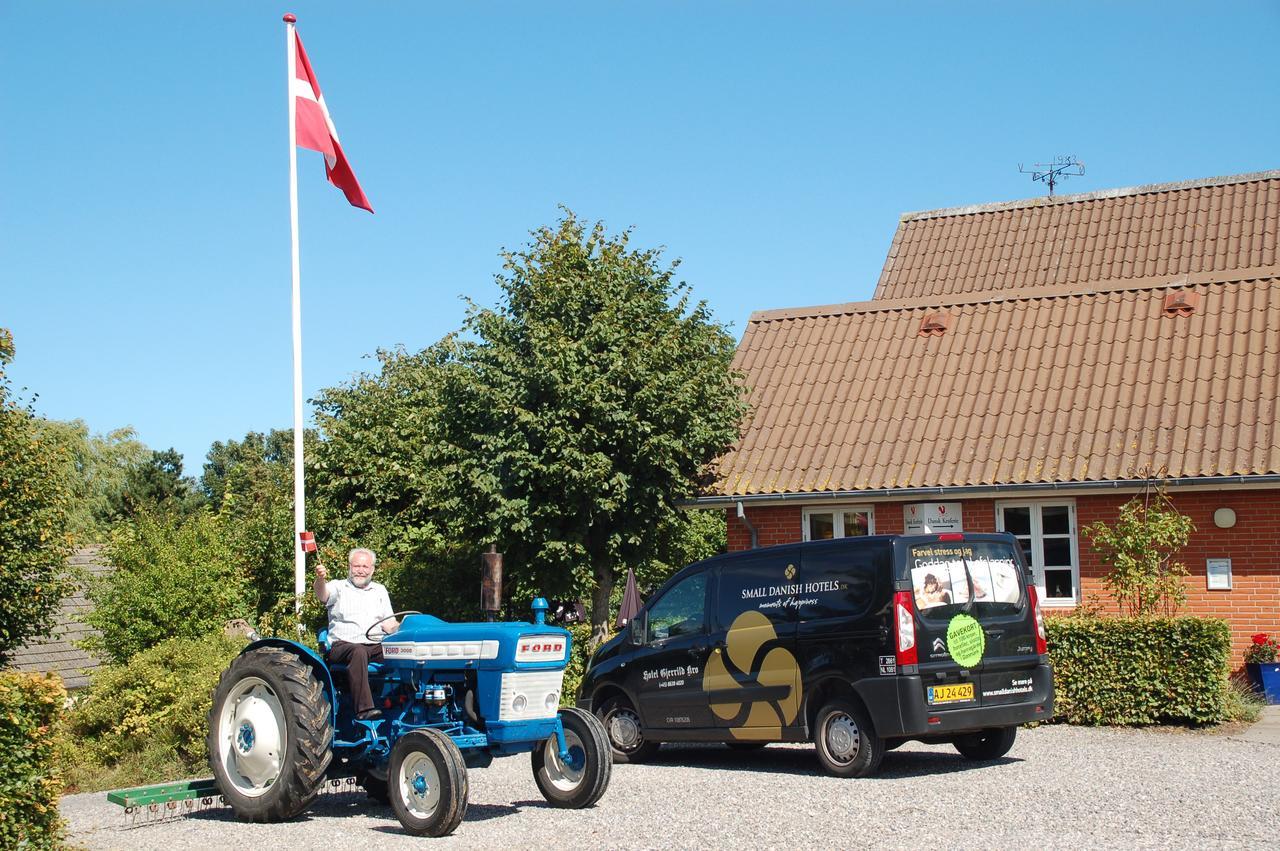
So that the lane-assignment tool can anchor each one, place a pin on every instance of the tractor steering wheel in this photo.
(378, 622)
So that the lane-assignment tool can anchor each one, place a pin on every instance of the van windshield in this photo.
(965, 576)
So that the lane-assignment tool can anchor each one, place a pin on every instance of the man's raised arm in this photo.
(321, 585)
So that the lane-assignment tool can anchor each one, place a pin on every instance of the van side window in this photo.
(681, 611)
(842, 579)
(768, 584)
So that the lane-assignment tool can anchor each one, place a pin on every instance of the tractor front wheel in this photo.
(580, 780)
(269, 735)
(427, 781)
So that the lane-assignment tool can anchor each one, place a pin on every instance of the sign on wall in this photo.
(1219, 572)
(932, 518)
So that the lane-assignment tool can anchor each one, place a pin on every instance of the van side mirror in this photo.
(635, 628)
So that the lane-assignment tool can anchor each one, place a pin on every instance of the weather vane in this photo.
(1060, 169)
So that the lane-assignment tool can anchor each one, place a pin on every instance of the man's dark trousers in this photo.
(357, 658)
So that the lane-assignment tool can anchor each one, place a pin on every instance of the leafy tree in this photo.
(250, 483)
(575, 415)
(35, 499)
(251, 456)
(378, 479)
(1141, 547)
(174, 577)
(98, 468)
(154, 486)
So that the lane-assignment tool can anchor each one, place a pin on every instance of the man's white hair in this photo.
(359, 551)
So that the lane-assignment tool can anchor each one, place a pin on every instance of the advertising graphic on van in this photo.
(769, 698)
(965, 640)
(942, 576)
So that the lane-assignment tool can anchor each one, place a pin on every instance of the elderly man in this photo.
(359, 615)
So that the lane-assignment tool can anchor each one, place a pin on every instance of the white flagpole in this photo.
(299, 489)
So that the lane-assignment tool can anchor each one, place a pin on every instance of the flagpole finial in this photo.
(290, 18)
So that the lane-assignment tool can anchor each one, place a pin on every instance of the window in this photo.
(1047, 533)
(754, 582)
(681, 611)
(840, 521)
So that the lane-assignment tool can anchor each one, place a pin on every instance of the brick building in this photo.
(1025, 367)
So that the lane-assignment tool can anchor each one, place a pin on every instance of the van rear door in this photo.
(975, 623)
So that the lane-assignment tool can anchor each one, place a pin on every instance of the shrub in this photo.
(142, 721)
(1144, 578)
(1139, 670)
(29, 788)
(173, 578)
(579, 656)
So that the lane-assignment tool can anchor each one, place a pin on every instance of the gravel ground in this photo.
(1060, 787)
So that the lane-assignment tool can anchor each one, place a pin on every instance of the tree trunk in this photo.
(600, 622)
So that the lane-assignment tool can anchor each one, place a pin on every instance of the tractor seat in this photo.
(375, 668)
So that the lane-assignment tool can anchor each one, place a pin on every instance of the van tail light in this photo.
(1042, 641)
(904, 632)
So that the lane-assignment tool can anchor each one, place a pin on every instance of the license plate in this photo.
(950, 694)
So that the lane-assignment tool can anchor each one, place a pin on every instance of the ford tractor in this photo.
(453, 697)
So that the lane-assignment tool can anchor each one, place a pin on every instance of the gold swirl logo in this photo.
(763, 696)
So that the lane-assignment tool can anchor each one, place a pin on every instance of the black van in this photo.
(855, 644)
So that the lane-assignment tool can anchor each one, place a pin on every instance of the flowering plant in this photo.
(1263, 650)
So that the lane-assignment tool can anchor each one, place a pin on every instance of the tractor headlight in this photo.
(552, 701)
(518, 703)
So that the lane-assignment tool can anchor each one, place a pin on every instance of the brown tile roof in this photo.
(1053, 386)
(57, 652)
(1144, 232)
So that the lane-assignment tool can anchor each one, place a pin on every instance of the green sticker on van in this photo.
(965, 641)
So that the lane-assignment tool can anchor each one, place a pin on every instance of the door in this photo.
(753, 679)
(975, 627)
(667, 669)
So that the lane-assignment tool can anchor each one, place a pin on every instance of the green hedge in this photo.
(1139, 670)
(578, 658)
(29, 788)
(145, 721)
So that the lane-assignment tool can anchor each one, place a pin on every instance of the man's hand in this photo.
(321, 573)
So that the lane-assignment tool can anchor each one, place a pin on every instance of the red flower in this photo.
(1259, 638)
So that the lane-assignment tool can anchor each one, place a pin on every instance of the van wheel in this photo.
(846, 742)
(987, 744)
(622, 727)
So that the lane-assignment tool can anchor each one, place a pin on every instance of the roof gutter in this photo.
(740, 500)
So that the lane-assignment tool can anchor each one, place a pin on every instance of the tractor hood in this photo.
(427, 641)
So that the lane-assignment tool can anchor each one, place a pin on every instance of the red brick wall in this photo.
(1253, 545)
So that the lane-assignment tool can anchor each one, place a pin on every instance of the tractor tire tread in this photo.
(310, 735)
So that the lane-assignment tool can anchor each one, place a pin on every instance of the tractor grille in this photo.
(538, 688)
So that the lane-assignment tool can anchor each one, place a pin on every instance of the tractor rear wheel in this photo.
(427, 781)
(270, 735)
(582, 779)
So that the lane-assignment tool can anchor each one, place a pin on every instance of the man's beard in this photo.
(358, 582)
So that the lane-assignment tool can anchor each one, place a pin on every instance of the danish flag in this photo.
(316, 131)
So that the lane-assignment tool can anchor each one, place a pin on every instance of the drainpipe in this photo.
(755, 537)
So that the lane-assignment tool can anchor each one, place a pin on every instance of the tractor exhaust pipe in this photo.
(491, 583)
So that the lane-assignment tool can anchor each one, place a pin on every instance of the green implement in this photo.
(184, 790)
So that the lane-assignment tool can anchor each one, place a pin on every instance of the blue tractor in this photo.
(453, 696)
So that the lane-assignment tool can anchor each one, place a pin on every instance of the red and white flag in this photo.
(316, 132)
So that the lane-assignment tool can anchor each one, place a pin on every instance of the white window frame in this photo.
(1037, 545)
(837, 512)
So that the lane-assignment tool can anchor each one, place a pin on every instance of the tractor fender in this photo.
(312, 658)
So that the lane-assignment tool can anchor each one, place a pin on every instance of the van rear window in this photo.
(983, 575)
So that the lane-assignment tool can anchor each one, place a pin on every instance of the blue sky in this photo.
(144, 257)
